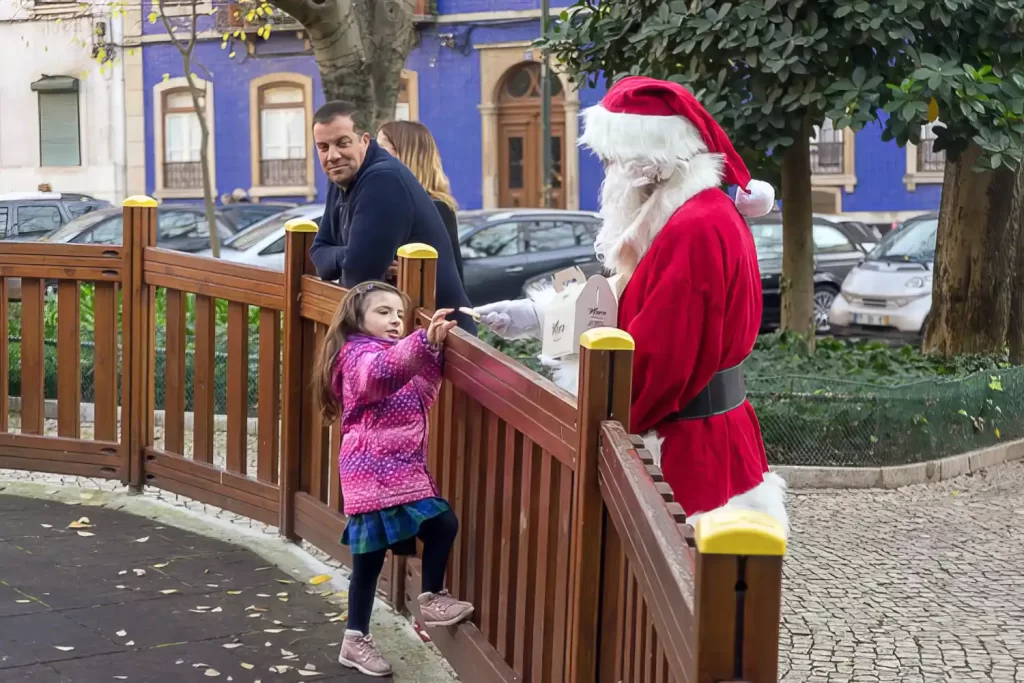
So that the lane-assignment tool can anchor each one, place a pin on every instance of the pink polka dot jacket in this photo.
(386, 389)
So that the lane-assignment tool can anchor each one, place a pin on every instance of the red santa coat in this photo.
(693, 308)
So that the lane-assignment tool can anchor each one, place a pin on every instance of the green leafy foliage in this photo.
(761, 66)
(858, 404)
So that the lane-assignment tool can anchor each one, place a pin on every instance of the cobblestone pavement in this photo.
(917, 585)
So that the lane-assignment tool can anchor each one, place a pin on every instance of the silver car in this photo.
(262, 244)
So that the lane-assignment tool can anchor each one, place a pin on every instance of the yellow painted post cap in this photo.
(300, 225)
(139, 200)
(739, 532)
(417, 250)
(607, 339)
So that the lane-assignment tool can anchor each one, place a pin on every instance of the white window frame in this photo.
(286, 79)
(847, 179)
(160, 191)
(915, 177)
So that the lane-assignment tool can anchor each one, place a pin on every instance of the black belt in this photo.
(726, 391)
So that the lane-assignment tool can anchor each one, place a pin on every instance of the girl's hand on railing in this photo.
(439, 328)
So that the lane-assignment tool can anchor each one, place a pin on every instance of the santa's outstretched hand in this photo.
(516, 319)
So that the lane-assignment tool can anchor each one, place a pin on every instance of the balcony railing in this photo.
(283, 172)
(183, 175)
(233, 17)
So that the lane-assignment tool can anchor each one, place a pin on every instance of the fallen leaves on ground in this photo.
(142, 540)
(81, 523)
(64, 648)
(85, 533)
(321, 578)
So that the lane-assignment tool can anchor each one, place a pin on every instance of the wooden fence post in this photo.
(605, 385)
(299, 234)
(137, 338)
(417, 277)
(739, 596)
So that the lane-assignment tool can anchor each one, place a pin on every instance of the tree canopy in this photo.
(762, 66)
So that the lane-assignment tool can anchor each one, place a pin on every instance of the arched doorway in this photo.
(519, 139)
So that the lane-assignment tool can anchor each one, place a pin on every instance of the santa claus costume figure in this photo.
(685, 271)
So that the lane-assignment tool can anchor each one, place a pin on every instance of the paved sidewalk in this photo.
(128, 598)
(918, 585)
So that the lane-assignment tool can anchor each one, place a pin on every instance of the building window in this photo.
(183, 139)
(928, 160)
(178, 140)
(59, 125)
(925, 166)
(826, 150)
(832, 163)
(281, 119)
(282, 136)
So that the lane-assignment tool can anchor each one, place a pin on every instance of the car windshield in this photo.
(767, 239)
(914, 242)
(72, 228)
(256, 232)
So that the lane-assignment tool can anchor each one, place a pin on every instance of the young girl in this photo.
(383, 385)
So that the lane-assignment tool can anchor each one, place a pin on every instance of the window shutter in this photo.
(59, 143)
(273, 134)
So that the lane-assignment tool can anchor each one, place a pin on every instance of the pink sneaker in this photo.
(441, 609)
(359, 652)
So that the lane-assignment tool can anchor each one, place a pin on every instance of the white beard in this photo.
(639, 198)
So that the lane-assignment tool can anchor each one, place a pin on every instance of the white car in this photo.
(262, 244)
(890, 293)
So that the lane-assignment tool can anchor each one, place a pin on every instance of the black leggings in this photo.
(438, 535)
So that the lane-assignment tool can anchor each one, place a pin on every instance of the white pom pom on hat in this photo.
(647, 118)
(756, 200)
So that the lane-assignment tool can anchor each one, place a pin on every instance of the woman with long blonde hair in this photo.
(411, 143)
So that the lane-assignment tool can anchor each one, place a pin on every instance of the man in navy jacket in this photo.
(374, 206)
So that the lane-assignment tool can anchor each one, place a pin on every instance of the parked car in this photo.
(245, 214)
(890, 293)
(262, 244)
(864, 235)
(28, 216)
(178, 227)
(31, 216)
(836, 251)
(503, 249)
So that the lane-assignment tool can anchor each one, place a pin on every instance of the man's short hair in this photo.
(337, 108)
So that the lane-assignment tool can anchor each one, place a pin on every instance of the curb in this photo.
(897, 476)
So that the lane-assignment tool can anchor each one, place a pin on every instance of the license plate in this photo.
(870, 319)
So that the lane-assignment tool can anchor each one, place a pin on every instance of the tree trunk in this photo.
(974, 259)
(1015, 333)
(360, 47)
(797, 281)
(204, 161)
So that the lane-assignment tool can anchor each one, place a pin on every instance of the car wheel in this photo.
(823, 298)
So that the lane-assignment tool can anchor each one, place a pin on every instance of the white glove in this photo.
(516, 319)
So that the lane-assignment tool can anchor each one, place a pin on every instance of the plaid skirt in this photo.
(392, 528)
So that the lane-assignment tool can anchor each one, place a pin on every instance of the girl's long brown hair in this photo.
(348, 320)
(417, 149)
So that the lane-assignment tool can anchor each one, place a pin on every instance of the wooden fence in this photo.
(579, 561)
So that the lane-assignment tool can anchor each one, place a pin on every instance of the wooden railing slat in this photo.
(492, 484)
(204, 379)
(334, 497)
(5, 372)
(32, 356)
(472, 522)
(105, 361)
(69, 365)
(238, 388)
(543, 566)
(525, 573)
(268, 431)
(457, 496)
(511, 516)
(174, 373)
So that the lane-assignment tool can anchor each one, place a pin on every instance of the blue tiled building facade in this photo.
(472, 79)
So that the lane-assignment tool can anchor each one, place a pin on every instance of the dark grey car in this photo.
(837, 249)
(502, 249)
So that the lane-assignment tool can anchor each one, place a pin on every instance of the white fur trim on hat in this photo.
(660, 139)
(758, 200)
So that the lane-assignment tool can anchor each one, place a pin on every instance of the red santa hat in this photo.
(660, 121)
